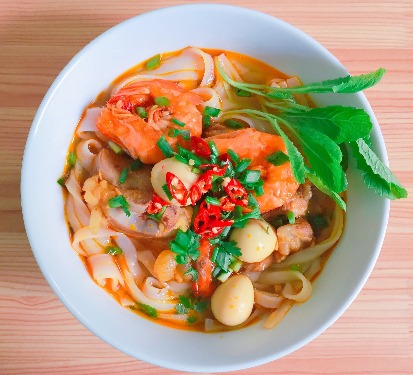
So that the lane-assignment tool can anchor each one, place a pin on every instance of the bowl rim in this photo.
(25, 194)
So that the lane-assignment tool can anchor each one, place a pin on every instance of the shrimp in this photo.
(279, 182)
(137, 135)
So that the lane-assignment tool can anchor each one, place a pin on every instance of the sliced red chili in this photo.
(195, 194)
(237, 193)
(215, 228)
(208, 223)
(224, 157)
(204, 286)
(200, 147)
(177, 188)
(215, 169)
(226, 204)
(156, 204)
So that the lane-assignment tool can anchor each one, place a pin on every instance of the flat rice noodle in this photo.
(88, 123)
(175, 318)
(268, 300)
(103, 267)
(278, 315)
(179, 288)
(131, 257)
(212, 325)
(139, 296)
(147, 258)
(85, 152)
(85, 233)
(153, 288)
(73, 187)
(209, 96)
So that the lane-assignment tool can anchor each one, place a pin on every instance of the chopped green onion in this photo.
(113, 250)
(153, 62)
(242, 165)
(233, 124)
(61, 181)
(123, 175)
(213, 148)
(234, 157)
(141, 111)
(115, 147)
(206, 121)
(167, 192)
(177, 122)
(162, 101)
(251, 176)
(71, 160)
(278, 158)
(185, 134)
(291, 217)
(295, 267)
(119, 202)
(165, 147)
(242, 93)
(148, 310)
(135, 165)
(193, 273)
(259, 189)
(211, 111)
(213, 201)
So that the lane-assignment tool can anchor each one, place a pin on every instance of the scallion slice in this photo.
(113, 250)
(167, 192)
(123, 175)
(213, 201)
(141, 111)
(165, 147)
(251, 176)
(71, 160)
(153, 63)
(177, 122)
(185, 134)
(162, 101)
(115, 147)
(233, 124)
(211, 111)
(242, 165)
(234, 157)
(291, 217)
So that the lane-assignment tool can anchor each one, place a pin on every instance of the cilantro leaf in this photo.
(191, 319)
(185, 245)
(148, 310)
(375, 173)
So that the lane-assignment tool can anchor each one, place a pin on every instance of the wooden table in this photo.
(38, 334)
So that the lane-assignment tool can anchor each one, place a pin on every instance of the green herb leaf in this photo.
(191, 319)
(341, 124)
(115, 147)
(375, 173)
(278, 158)
(167, 192)
(148, 310)
(61, 181)
(153, 62)
(184, 305)
(113, 250)
(193, 273)
(200, 305)
(119, 202)
(186, 245)
(291, 217)
(242, 93)
(213, 201)
(158, 216)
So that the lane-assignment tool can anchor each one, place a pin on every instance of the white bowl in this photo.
(91, 70)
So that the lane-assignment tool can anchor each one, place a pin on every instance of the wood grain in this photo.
(38, 334)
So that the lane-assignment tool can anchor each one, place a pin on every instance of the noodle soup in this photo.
(183, 198)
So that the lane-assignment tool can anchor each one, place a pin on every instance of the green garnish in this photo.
(242, 93)
(162, 101)
(206, 121)
(148, 310)
(185, 245)
(242, 165)
(295, 267)
(186, 304)
(233, 124)
(119, 202)
(167, 192)
(250, 176)
(71, 160)
(191, 319)
(224, 254)
(177, 122)
(115, 147)
(317, 221)
(158, 216)
(165, 147)
(61, 181)
(211, 111)
(123, 175)
(135, 165)
(213, 201)
(185, 134)
(153, 62)
(319, 135)
(192, 272)
(291, 217)
(113, 250)
(141, 111)
(278, 158)
(234, 157)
